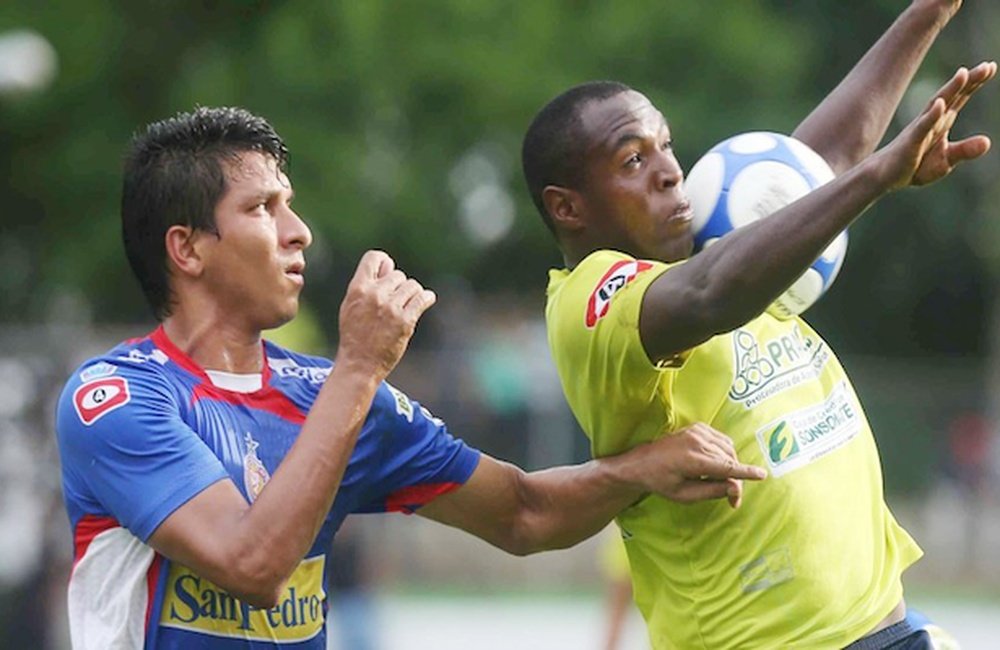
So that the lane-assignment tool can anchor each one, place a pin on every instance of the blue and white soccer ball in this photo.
(750, 176)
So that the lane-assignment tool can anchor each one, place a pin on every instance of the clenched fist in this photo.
(379, 314)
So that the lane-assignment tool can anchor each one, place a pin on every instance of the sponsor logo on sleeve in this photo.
(619, 275)
(403, 404)
(97, 398)
(438, 422)
(102, 369)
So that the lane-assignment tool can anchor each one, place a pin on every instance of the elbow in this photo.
(519, 542)
(263, 598)
(255, 581)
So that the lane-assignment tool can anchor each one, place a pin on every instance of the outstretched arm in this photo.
(848, 125)
(734, 280)
(525, 513)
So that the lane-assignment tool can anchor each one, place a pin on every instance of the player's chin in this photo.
(677, 248)
(285, 312)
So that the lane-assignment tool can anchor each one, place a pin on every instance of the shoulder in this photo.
(137, 361)
(586, 293)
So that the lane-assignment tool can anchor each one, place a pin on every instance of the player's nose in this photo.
(296, 232)
(669, 173)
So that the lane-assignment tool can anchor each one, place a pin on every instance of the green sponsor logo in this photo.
(781, 443)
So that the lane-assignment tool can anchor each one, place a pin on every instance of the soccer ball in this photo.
(750, 176)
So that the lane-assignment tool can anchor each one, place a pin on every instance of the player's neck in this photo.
(216, 345)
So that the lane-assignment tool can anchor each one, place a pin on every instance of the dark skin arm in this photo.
(251, 550)
(852, 120)
(525, 513)
(727, 285)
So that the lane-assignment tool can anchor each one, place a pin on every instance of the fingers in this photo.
(978, 77)
(720, 439)
(968, 149)
(692, 491)
(716, 457)
(951, 89)
(725, 468)
(414, 299)
(373, 265)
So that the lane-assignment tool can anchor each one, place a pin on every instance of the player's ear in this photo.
(564, 207)
(185, 249)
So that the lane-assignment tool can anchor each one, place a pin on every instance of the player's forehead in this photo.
(252, 172)
(606, 123)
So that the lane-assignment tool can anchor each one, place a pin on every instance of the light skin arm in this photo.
(727, 284)
(251, 550)
(525, 513)
(848, 125)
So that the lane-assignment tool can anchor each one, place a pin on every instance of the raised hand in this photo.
(695, 464)
(379, 314)
(922, 153)
(944, 155)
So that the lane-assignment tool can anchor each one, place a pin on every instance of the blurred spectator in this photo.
(967, 463)
(353, 620)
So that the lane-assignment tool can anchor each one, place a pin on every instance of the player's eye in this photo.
(667, 145)
(634, 159)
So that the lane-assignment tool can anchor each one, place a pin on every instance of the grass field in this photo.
(432, 621)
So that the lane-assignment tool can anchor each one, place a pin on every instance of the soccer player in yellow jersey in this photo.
(646, 342)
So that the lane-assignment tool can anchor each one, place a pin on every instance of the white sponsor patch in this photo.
(102, 369)
(288, 368)
(803, 436)
(138, 356)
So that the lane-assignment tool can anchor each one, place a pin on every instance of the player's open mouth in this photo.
(683, 213)
(294, 273)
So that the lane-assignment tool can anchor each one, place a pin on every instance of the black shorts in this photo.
(901, 636)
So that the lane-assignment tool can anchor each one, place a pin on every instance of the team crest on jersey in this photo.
(255, 475)
(97, 398)
(619, 275)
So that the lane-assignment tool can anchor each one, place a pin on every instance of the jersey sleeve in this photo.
(420, 459)
(592, 318)
(125, 451)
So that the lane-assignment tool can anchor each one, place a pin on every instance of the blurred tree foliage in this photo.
(396, 112)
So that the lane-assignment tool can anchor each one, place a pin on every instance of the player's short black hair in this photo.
(552, 151)
(174, 174)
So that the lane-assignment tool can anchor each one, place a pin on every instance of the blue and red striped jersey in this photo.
(142, 429)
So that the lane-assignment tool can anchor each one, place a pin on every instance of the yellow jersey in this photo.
(813, 558)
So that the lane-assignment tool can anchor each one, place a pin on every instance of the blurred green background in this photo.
(404, 121)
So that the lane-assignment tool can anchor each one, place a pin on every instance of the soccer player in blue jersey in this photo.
(206, 470)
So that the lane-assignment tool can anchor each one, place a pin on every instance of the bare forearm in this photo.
(285, 518)
(852, 120)
(566, 505)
